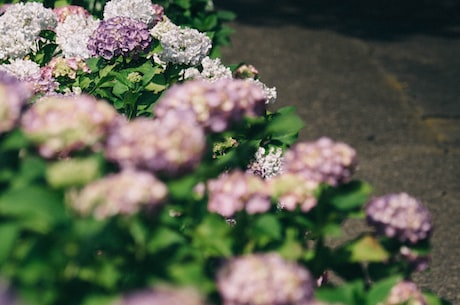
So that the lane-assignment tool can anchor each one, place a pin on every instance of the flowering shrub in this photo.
(136, 168)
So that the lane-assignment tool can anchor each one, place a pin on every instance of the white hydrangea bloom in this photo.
(141, 10)
(20, 26)
(73, 34)
(213, 69)
(22, 68)
(267, 164)
(184, 46)
(163, 27)
(270, 93)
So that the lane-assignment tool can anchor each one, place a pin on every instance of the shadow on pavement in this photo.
(366, 19)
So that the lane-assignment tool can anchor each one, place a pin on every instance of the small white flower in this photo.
(212, 70)
(270, 93)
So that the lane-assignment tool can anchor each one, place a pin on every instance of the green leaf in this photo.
(285, 125)
(35, 208)
(212, 236)
(226, 15)
(73, 172)
(433, 299)
(380, 290)
(267, 228)
(349, 196)
(347, 294)
(14, 140)
(119, 89)
(163, 238)
(8, 235)
(367, 249)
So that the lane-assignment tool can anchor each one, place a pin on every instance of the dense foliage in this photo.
(136, 168)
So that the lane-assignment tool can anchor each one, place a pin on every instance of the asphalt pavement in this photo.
(382, 76)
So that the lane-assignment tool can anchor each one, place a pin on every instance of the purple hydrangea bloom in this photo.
(13, 96)
(264, 279)
(321, 161)
(163, 296)
(236, 191)
(171, 145)
(405, 292)
(124, 193)
(119, 36)
(215, 105)
(399, 216)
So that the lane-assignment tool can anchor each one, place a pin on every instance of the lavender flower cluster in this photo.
(124, 193)
(405, 292)
(13, 96)
(215, 105)
(60, 125)
(399, 216)
(321, 161)
(170, 145)
(264, 279)
(235, 191)
(119, 36)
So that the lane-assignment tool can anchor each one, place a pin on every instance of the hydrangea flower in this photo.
(293, 191)
(250, 74)
(236, 191)
(215, 105)
(65, 67)
(119, 36)
(246, 71)
(62, 124)
(65, 11)
(13, 96)
(73, 34)
(141, 10)
(399, 216)
(163, 296)
(211, 70)
(21, 25)
(405, 292)
(321, 161)
(266, 164)
(182, 45)
(7, 296)
(264, 279)
(171, 145)
(124, 193)
(270, 92)
(29, 72)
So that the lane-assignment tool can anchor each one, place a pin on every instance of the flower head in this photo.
(62, 124)
(124, 193)
(236, 191)
(399, 216)
(321, 161)
(141, 10)
(266, 164)
(13, 96)
(215, 105)
(405, 292)
(171, 145)
(264, 279)
(119, 36)
(184, 46)
(21, 25)
(65, 11)
(211, 70)
(73, 34)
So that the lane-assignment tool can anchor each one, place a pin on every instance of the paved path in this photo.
(383, 78)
